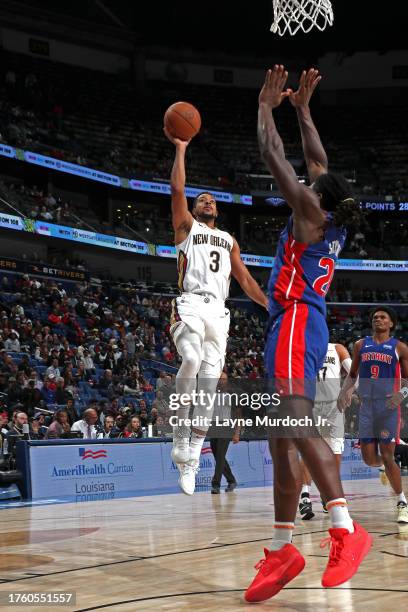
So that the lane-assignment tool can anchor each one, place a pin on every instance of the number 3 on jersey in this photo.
(215, 261)
(322, 283)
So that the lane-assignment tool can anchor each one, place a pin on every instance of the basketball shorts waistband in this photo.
(202, 297)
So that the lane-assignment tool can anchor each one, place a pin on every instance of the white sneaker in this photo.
(402, 512)
(180, 453)
(188, 473)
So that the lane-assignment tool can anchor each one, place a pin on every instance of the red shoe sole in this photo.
(364, 553)
(273, 589)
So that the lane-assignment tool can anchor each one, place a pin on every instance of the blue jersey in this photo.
(379, 371)
(303, 272)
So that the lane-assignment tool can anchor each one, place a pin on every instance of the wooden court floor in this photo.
(173, 552)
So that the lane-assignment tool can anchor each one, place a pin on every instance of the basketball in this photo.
(182, 120)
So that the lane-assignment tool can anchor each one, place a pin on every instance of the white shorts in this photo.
(329, 420)
(336, 444)
(207, 317)
(333, 430)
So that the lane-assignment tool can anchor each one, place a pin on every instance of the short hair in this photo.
(390, 312)
(89, 411)
(195, 201)
(59, 413)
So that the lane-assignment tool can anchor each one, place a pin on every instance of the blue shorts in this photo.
(296, 346)
(377, 422)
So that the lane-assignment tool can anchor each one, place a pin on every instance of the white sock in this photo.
(305, 489)
(401, 498)
(181, 433)
(282, 535)
(196, 444)
(339, 514)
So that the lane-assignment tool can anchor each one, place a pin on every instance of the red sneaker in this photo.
(277, 569)
(347, 550)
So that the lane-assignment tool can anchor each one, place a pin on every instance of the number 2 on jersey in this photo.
(322, 283)
(215, 261)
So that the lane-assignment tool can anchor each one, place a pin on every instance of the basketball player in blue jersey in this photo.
(379, 361)
(297, 338)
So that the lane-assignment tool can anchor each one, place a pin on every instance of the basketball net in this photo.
(293, 15)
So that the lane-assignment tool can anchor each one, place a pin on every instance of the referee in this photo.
(220, 437)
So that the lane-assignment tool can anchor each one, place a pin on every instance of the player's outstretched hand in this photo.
(307, 84)
(176, 141)
(394, 401)
(272, 93)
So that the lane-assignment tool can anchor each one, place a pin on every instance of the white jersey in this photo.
(328, 379)
(204, 261)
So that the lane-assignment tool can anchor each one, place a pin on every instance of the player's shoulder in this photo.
(341, 350)
(360, 343)
(223, 232)
(334, 231)
(227, 237)
(402, 347)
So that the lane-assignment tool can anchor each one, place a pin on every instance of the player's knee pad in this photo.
(208, 377)
(189, 347)
(210, 371)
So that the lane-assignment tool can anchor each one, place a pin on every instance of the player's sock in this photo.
(282, 535)
(401, 498)
(181, 431)
(196, 444)
(339, 514)
(305, 489)
(181, 437)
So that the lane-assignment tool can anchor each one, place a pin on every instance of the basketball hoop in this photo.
(293, 15)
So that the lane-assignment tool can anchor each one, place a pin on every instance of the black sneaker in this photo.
(230, 487)
(215, 490)
(305, 508)
(325, 510)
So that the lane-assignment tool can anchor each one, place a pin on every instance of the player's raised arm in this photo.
(303, 201)
(181, 217)
(246, 281)
(313, 150)
(346, 392)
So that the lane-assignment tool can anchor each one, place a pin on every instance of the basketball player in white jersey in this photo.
(206, 258)
(326, 412)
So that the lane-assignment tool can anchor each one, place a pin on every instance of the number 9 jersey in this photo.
(204, 262)
(303, 272)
